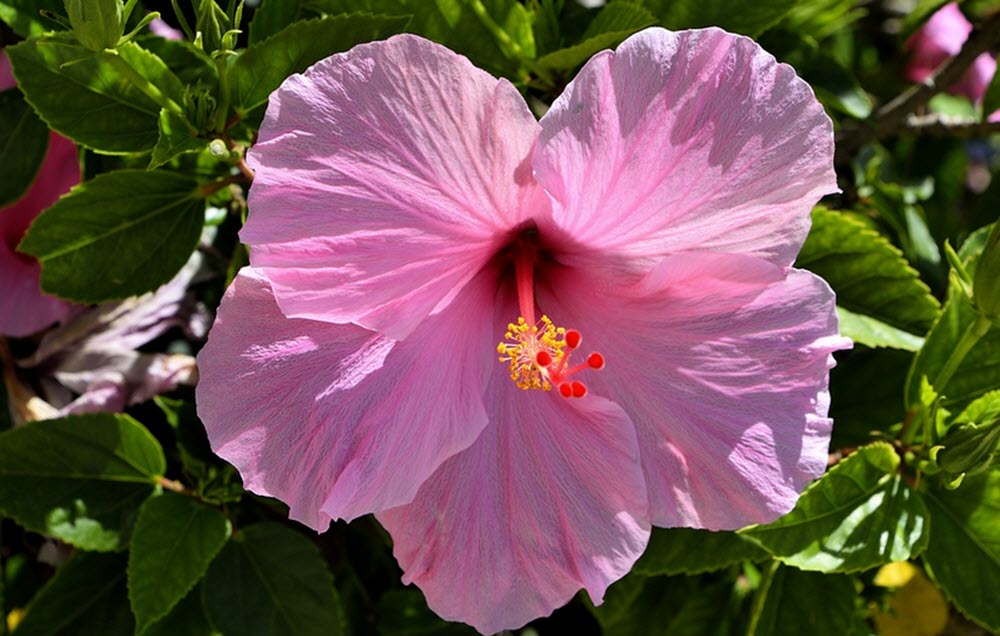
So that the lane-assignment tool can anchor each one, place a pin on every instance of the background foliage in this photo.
(126, 523)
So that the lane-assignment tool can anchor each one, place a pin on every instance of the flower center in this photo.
(538, 352)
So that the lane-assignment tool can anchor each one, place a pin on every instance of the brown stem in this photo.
(215, 186)
(934, 125)
(174, 486)
(892, 117)
(245, 169)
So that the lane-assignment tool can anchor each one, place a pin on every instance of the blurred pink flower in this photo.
(160, 27)
(25, 308)
(407, 206)
(942, 37)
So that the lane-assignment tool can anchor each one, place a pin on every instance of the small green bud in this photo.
(211, 23)
(199, 107)
(97, 24)
(986, 283)
(218, 148)
(968, 447)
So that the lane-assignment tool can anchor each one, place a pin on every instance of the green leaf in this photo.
(871, 277)
(864, 394)
(497, 35)
(983, 410)
(875, 333)
(613, 23)
(668, 606)
(174, 540)
(857, 516)
(186, 619)
(979, 371)
(176, 138)
(820, 19)
(835, 86)
(689, 551)
(23, 141)
(991, 101)
(546, 29)
(190, 64)
(87, 96)
(263, 67)
(918, 15)
(270, 580)
(79, 479)
(123, 233)
(404, 612)
(271, 17)
(24, 16)
(963, 555)
(86, 597)
(750, 18)
(792, 602)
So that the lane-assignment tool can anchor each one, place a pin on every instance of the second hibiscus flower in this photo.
(629, 257)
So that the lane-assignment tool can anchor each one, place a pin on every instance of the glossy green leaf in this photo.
(86, 597)
(80, 479)
(690, 551)
(88, 97)
(750, 18)
(23, 141)
(963, 555)
(871, 332)
(984, 410)
(24, 16)
(613, 23)
(792, 602)
(176, 138)
(264, 66)
(271, 581)
(174, 540)
(190, 64)
(271, 17)
(871, 277)
(857, 516)
(121, 234)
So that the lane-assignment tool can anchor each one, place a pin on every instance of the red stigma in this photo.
(579, 389)
(595, 360)
(573, 338)
(543, 358)
(566, 389)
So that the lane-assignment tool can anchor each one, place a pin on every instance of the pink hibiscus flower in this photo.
(942, 37)
(409, 213)
(25, 309)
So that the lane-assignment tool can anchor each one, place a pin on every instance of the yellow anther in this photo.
(521, 354)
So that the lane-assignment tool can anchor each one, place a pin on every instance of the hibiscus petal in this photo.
(550, 499)
(385, 178)
(335, 420)
(696, 140)
(728, 389)
(26, 309)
